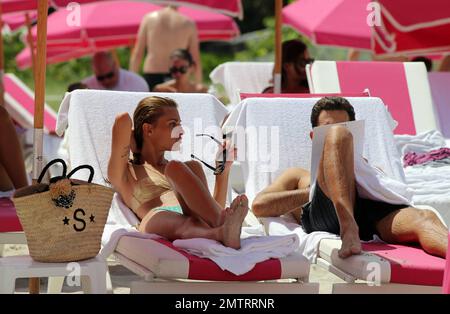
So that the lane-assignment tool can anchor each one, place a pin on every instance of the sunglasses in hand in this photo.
(103, 77)
(221, 164)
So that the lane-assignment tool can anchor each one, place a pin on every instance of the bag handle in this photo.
(91, 170)
(47, 166)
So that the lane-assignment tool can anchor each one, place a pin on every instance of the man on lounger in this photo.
(339, 205)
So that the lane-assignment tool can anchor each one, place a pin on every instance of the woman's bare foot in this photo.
(233, 222)
(351, 244)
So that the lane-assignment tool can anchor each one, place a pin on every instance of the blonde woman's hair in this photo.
(149, 110)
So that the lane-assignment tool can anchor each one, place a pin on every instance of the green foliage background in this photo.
(256, 43)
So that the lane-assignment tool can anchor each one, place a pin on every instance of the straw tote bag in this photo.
(63, 221)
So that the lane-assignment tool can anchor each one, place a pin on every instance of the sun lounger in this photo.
(19, 101)
(291, 126)
(439, 84)
(90, 115)
(403, 87)
(446, 284)
(10, 228)
(245, 77)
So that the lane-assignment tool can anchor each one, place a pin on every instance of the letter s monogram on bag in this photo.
(79, 219)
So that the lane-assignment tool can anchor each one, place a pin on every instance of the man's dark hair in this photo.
(330, 104)
(76, 85)
(427, 61)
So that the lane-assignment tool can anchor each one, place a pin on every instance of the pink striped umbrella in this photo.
(228, 7)
(331, 22)
(10, 6)
(104, 25)
(415, 27)
(107, 23)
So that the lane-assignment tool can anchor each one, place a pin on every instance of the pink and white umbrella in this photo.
(103, 25)
(412, 27)
(117, 22)
(228, 7)
(331, 22)
(11, 6)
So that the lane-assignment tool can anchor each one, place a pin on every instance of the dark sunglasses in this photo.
(105, 76)
(182, 70)
(304, 62)
(219, 169)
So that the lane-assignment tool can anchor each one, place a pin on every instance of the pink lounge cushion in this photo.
(27, 101)
(9, 222)
(268, 95)
(206, 269)
(386, 80)
(446, 285)
(409, 265)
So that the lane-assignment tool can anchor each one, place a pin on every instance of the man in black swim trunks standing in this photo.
(336, 206)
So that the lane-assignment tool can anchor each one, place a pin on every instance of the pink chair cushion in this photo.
(268, 95)
(386, 80)
(9, 222)
(206, 269)
(27, 101)
(409, 265)
(446, 285)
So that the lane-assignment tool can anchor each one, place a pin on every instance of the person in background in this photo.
(160, 33)
(76, 85)
(181, 68)
(12, 166)
(295, 57)
(109, 76)
(428, 62)
(445, 64)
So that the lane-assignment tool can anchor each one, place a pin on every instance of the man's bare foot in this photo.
(233, 222)
(351, 244)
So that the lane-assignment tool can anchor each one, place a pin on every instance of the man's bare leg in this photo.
(336, 178)
(11, 157)
(412, 225)
(194, 193)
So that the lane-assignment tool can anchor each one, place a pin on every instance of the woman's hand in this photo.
(231, 153)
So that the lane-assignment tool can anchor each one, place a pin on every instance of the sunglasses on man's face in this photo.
(181, 70)
(105, 76)
(221, 167)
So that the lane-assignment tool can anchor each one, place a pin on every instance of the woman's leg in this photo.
(194, 192)
(175, 226)
(11, 158)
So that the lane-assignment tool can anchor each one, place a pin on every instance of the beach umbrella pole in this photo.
(278, 35)
(39, 99)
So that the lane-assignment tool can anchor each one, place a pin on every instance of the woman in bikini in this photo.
(171, 198)
(182, 67)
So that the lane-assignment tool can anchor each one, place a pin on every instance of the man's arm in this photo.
(286, 194)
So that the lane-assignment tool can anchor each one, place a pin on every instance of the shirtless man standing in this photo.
(337, 205)
(161, 33)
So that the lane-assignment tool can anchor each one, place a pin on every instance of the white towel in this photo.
(244, 77)
(283, 126)
(254, 249)
(308, 243)
(420, 143)
(90, 116)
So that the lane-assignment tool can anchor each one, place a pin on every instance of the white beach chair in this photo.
(282, 129)
(90, 116)
(405, 89)
(242, 77)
